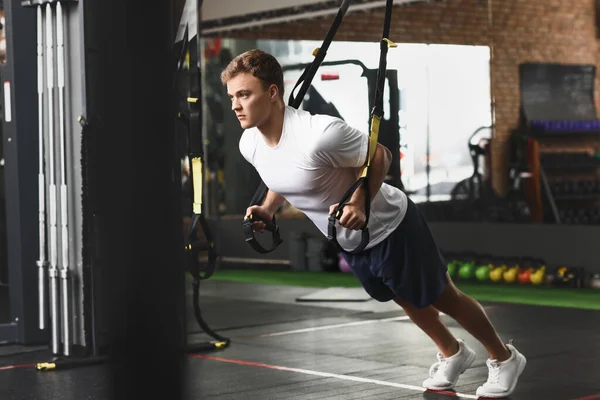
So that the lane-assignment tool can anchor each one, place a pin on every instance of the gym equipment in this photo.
(64, 270)
(471, 188)
(483, 273)
(537, 277)
(572, 277)
(262, 190)
(452, 268)
(42, 261)
(510, 275)
(497, 272)
(525, 276)
(467, 271)
(375, 121)
(53, 267)
(188, 51)
(58, 269)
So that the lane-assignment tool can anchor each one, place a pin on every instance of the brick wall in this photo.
(522, 30)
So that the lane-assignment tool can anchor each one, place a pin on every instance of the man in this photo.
(311, 160)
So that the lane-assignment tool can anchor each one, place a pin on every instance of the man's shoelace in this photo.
(438, 366)
(493, 373)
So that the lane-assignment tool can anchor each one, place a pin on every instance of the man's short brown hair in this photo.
(260, 64)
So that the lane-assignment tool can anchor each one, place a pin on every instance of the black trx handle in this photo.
(271, 226)
(337, 214)
(306, 79)
(376, 116)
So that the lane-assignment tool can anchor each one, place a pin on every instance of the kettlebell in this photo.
(510, 275)
(467, 271)
(525, 276)
(496, 273)
(537, 276)
(483, 272)
(452, 268)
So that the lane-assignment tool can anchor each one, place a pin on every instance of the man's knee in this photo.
(411, 310)
(449, 300)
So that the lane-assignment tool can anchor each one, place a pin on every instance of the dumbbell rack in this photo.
(565, 164)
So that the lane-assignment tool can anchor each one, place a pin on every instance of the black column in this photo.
(135, 220)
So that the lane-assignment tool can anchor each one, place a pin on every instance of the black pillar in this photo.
(135, 217)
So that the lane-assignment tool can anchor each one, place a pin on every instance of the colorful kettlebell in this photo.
(496, 273)
(510, 275)
(525, 276)
(483, 273)
(537, 277)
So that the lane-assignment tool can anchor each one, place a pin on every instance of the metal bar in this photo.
(550, 196)
(42, 262)
(53, 272)
(64, 267)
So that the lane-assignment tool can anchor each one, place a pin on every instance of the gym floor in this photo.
(285, 349)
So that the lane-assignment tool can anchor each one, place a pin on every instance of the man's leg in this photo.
(472, 317)
(428, 319)
(505, 363)
(464, 310)
(454, 356)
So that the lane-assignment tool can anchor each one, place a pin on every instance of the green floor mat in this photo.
(505, 293)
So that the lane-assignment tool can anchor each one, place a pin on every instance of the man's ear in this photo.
(273, 92)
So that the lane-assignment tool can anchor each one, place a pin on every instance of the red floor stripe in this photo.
(330, 375)
(16, 366)
(594, 396)
(240, 362)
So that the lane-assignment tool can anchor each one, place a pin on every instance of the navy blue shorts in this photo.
(407, 264)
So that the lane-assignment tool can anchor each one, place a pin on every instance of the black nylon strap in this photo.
(310, 71)
(191, 116)
(376, 115)
(305, 78)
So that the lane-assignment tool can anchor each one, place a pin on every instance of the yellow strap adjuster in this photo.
(315, 51)
(390, 43)
(373, 140)
(197, 182)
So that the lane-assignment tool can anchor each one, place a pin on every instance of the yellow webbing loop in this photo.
(197, 182)
(390, 43)
(373, 140)
(315, 51)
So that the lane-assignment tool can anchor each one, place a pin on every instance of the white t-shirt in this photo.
(314, 164)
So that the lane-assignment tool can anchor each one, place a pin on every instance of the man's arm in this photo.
(380, 164)
(353, 217)
(273, 201)
(268, 208)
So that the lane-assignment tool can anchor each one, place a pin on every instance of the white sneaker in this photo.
(444, 374)
(503, 376)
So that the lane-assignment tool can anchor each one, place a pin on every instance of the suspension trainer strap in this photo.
(375, 122)
(309, 73)
(191, 116)
(306, 79)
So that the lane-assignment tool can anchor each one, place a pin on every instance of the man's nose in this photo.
(235, 105)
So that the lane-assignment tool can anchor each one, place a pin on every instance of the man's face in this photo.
(249, 100)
